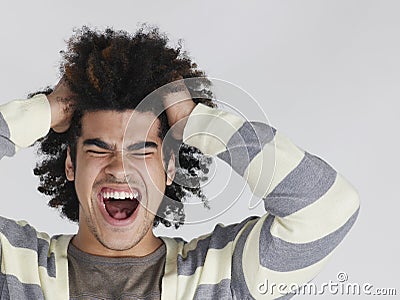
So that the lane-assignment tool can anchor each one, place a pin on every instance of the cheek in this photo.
(156, 183)
(155, 172)
(85, 175)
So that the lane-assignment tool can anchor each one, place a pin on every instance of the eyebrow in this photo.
(98, 143)
(136, 146)
(141, 145)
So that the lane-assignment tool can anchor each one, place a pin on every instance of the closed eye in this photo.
(97, 152)
(142, 153)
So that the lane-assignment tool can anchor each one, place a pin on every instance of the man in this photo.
(114, 183)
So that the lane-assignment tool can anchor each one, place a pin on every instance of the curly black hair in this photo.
(115, 70)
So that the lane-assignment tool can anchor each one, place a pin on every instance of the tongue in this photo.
(120, 209)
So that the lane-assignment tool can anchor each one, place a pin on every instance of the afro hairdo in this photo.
(115, 70)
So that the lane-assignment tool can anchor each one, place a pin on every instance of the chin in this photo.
(119, 245)
(120, 239)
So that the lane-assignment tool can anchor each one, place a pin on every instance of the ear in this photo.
(171, 169)
(69, 166)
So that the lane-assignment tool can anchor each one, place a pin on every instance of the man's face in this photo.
(120, 180)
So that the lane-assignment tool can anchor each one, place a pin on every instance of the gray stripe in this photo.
(44, 260)
(12, 288)
(4, 130)
(18, 236)
(218, 291)
(238, 284)
(305, 184)
(282, 256)
(26, 237)
(220, 237)
(6, 146)
(245, 144)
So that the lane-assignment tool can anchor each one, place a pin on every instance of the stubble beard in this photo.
(144, 227)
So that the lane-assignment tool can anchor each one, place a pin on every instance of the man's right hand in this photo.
(62, 106)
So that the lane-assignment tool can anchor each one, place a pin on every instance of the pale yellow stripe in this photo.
(22, 223)
(211, 273)
(43, 236)
(57, 288)
(18, 261)
(187, 285)
(290, 279)
(268, 168)
(169, 281)
(210, 129)
(320, 218)
(256, 274)
(28, 120)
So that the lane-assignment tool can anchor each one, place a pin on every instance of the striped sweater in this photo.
(309, 209)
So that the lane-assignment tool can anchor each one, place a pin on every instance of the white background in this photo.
(327, 74)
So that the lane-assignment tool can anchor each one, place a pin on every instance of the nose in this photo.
(115, 168)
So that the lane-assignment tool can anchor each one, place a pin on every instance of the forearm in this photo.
(22, 122)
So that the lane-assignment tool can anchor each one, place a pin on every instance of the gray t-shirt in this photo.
(97, 277)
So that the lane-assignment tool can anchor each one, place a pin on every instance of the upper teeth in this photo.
(120, 195)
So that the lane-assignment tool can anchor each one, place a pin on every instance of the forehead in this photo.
(112, 125)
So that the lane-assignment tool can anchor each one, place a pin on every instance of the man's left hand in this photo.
(179, 104)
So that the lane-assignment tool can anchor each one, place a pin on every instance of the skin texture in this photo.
(62, 106)
(178, 105)
(99, 167)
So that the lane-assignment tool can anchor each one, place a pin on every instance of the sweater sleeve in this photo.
(309, 206)
(22, 122)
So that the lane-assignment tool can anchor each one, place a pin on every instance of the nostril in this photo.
(116, 170)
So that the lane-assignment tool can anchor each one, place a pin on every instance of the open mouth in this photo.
(120, 205)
